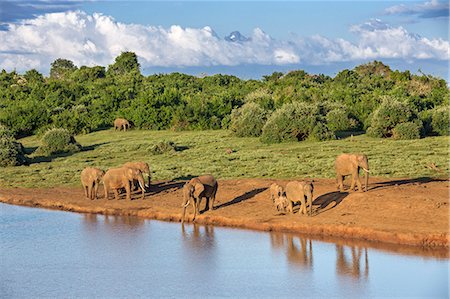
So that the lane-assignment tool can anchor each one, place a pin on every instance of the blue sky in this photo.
(186, 36)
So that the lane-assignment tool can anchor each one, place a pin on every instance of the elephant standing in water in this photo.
(90, 179)
(297, 192)
(195, 190)
(143, 167)
(116, 178)
(121, 123)
(349, 164)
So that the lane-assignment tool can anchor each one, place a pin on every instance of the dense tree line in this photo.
(290, 106)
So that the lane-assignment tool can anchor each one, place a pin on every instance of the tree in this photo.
(126, 62)
(61, 68)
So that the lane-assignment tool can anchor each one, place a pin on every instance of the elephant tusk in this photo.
(365, 170)
(186, 204)
(142, 187)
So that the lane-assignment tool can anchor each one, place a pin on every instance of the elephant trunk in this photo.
(366, 180)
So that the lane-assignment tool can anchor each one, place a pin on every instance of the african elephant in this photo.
(195, 190)
(278, 197)
(90, 179)
(349, 164)
(143, 167)
(296, 191)
(121, 123)
(123, 177)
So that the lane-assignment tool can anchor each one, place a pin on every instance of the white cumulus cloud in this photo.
(97, 39)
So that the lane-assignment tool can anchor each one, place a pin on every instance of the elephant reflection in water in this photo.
(353, 268)
(131, 221)
(300, 254)
(197, 238)
(277, 240)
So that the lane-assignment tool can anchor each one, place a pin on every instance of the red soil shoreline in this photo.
(413, 212)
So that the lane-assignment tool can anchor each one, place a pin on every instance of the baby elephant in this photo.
(197, 188)
(90, 179)
(298, 191)
(278, 197)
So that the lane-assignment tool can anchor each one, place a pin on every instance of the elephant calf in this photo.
(90, 179)
(298, 191)
(197, 188)
(278, 197)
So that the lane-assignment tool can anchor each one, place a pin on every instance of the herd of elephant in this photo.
(132, 174)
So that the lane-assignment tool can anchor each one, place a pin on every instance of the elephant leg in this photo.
(206, 204)
(105, 188)
(95, 190)
(211, 202)
(302, 205)
(86, 191)
(352, 186)
(90, 191)
(291, 206)
(358, 183)
(116, 194)
(195, 206)
(128, 191)
(340, 180)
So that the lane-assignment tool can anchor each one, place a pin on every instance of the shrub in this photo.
(262, 97)
(11, 152)
(339, 120)
(407, 130)
(5, 132)
(295, 122)
(58, 140)
(248, 120)
(389, 114)
(163, 147)
(440, 120)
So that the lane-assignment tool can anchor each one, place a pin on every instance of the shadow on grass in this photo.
(166, 185)
(416, 181)
(40, 159)
(241, 198)
(324, 201)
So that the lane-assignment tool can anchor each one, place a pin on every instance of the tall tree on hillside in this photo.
(126, 62)
(61, 68)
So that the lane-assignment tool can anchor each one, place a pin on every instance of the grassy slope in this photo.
(206, 153)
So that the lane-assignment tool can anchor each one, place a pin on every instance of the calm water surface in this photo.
(56, 254)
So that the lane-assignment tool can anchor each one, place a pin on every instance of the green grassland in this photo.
(206, 152)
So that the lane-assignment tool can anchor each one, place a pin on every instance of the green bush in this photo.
(440, 119)
(248, 120)
(407, 130)
(339, 120)
(163, 147)
(388, 115)
(11, 152)
(262, 97)
(295, 122)
(56, 141)
(5, 132)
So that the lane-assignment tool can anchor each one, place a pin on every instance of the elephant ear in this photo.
(199, 188)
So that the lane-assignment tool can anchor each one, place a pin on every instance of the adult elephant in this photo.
(300, 191)
(197, 188)
(121, 123)
(90, 179)
(143, 167)
(349, 164)
(117, 178)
